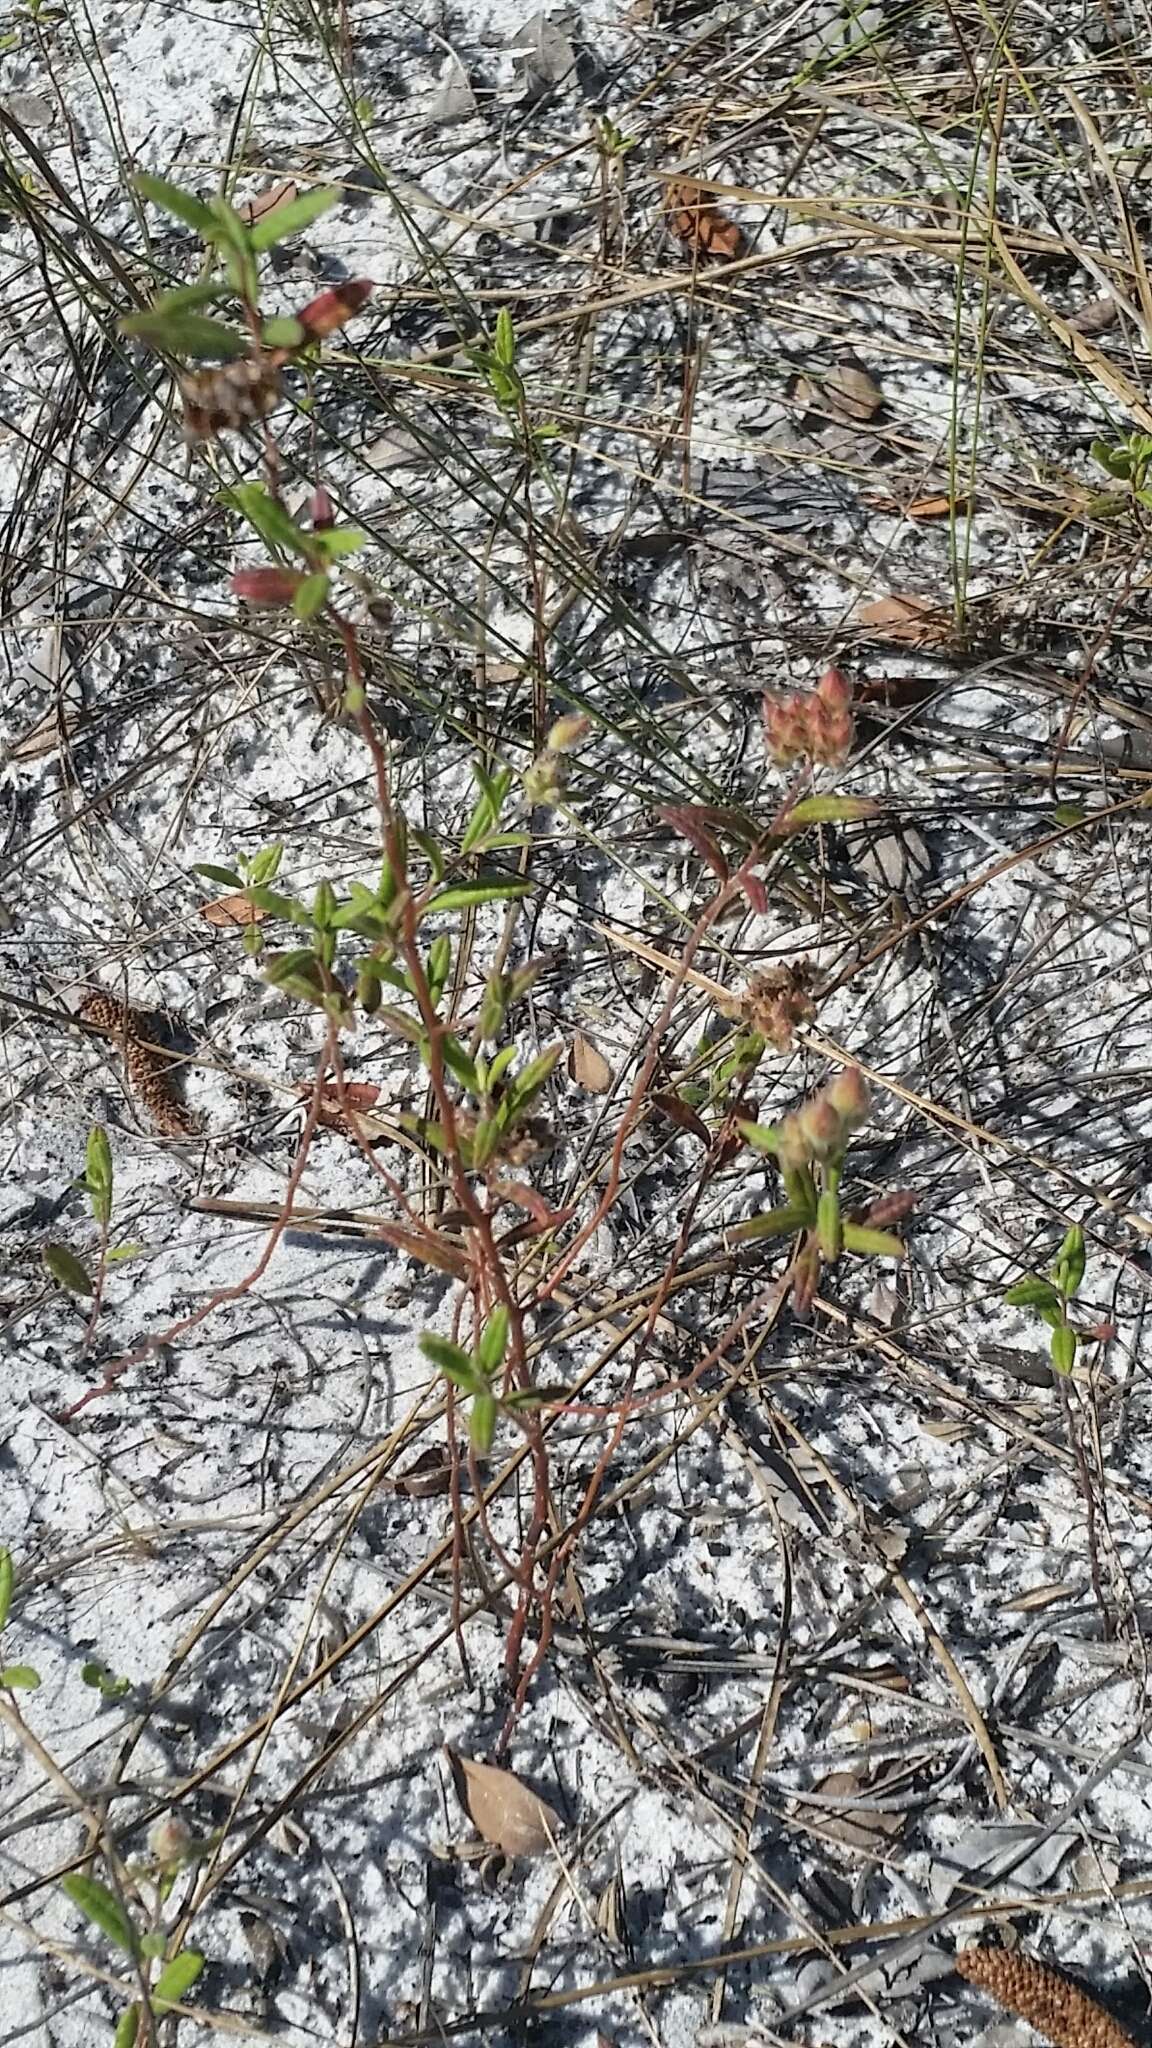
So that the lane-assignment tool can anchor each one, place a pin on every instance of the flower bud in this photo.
(321, 509)
(834, 690)
(848, 1096)
(792, 1147)
(324, 314)
(169, 1838)
(270, 589)
(568, 733)
(822, 1128)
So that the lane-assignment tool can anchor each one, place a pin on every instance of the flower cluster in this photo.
(816, 726)
(776, 1003)
(821, 1128)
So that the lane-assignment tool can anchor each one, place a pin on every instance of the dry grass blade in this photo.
(502, 1808)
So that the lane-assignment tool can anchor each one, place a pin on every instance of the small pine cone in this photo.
(1052, 2004)
(145, 1066)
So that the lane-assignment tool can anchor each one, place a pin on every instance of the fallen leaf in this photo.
(701, 225)
(1096, 317)
(502, 1808)
(264, 202)
(851, 392)
(862, 1827)
(912, 621)
(682, 1115)
(428, 1474)
(939, 507)
(455, 99)
(227, 910)
(588, 1066)
(429, 1246)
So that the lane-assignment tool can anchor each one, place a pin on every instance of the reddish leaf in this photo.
(324, 314)
(264, 202)
(268, 589)
(229, 910)
(429, 1246)
(683, 1115)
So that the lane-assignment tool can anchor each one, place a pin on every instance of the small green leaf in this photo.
(98, 1173)
(1032, 1292)
(493, 1343)
(187, 298)
(505, 339)
(101, 1680)
(761, 1137)
(824, 810)
(227, 877)
(264, 512)
(872, 1244)
(450, 1360)
(485, 889)
(118, 1252)
(7, 1582)
(530, 1080)
(312, 596)
(773, 1223)
(186, 334)
(459, 1062)
(177, 1978)
(102, 1906)
(265, 865)
(21, 1677)
(482, 1422)
(185, 205)
(67, 1270)
(283, 332)
(290, 218)
(1062, 1347)
(153, 1945)
(128, 2028)
(1068, 1270)
(334, 542)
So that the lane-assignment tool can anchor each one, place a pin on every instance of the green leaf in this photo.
(117, 1252)
(265, 865)
(311, 596)
(128, 2028)
(459, 1062)
(101, 1680)
(438, 966)
(498, 1066)
(177, 1978)
(773, 1223)
(98, 1173)
(824, 810)
(186, 334)
(872, 1244)
(530, 1080)
(7, 1582)
(187, 298)
(153, 1945)
(761, 1137)
(1062, 1347)
(295, 214)
(1117, 461)
(102, 1906)
(66, 1269)
(1068, 1270)
(450, 1360)
(21, 1677)
(185, 205)
(505, 339)
(333, 542)
(1032, 1292)
(283, 332)
(227, 877)
(493, 1343)
(482, 1422)
(485, 889)
(269, 517)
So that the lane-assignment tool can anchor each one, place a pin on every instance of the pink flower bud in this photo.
(270, 589)
(323, 315)
(822, 1128)
(848, 1097)
(321, 508)
(834, 690)
(168, 1838)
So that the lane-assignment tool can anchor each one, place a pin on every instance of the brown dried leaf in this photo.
(699, 224)
(864, 1827)
(1096, 317)
(911, 621)
(938, 507)
(229, 910)
(429, 1474)
(429, 1246)
(682, 1114)
(851, 393)
(264, 202)
(502, 1808)
(588, 1066)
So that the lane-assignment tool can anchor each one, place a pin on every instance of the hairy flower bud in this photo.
(270, 589)
(822, 1128)
(848, 1096)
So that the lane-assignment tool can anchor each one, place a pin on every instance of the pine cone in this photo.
(1052, 2004)
(146, 1068)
